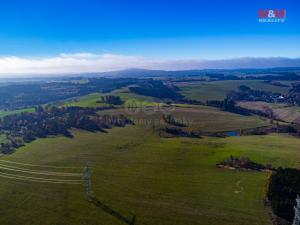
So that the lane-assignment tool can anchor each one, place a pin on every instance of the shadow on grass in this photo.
(112, 212)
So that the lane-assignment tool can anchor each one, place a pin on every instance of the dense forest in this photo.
(229, 105)
(283, 189)
(16, 96)
(293, 96)
(157, 89)
(111, 100)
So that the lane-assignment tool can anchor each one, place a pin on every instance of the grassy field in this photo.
(85, 101)
(128, 98)
(282, 112)
(3, 138)
(207, 119)
(162, 181)
(11, 112)
(218, 90)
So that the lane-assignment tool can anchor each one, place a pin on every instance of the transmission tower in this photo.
(297, 212)
(87, 177)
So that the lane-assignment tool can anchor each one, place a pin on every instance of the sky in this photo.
(69, 36)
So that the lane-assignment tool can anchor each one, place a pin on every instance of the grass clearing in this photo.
(11, 112)
(85, 101)
(217, 90)
(162, 181)
(129, 98)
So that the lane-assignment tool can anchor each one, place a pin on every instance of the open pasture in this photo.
(136, 172)
(217, 90)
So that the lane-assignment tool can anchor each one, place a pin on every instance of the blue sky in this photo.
(156, 29)
(167, 28)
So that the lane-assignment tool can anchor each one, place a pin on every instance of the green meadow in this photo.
(217, 90)
(85, 101)
(11, 112)
(134, 171)
(91, 100)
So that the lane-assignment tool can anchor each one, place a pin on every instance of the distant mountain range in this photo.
(136, 73)
(146, 73)
(109, 65)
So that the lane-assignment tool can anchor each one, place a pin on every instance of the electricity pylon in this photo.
(87, 177)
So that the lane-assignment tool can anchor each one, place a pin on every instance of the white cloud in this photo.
(88, 62)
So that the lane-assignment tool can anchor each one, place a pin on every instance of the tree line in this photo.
(111, 100)
(25, 127)
(24, 95)
(284, 187)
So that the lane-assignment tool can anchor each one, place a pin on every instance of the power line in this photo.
(45, 166)
(25, 174)
(49, 173)
(33, 179)
(39, 178)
